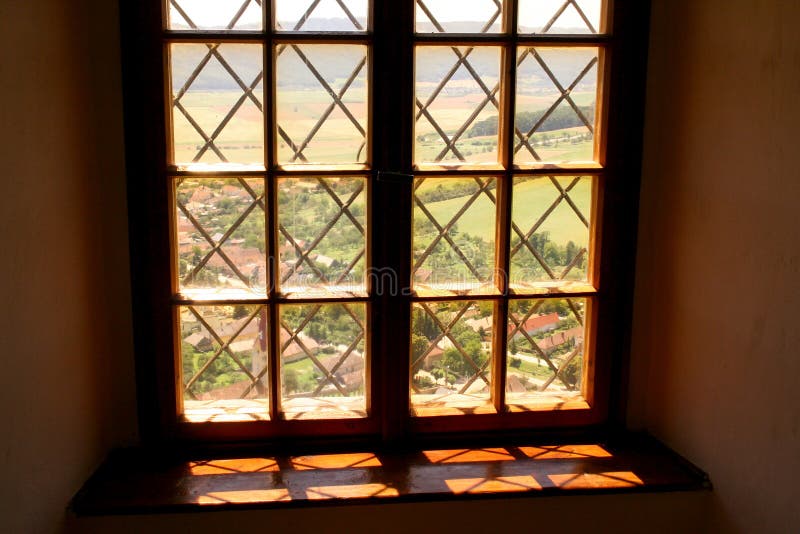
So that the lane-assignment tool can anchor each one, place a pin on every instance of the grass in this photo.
(531, 198)
(538, 371)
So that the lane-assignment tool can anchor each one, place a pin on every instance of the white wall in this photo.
(66, 386)
(715, 358)
(716, 361)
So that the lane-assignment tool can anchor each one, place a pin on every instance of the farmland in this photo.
(531, 198)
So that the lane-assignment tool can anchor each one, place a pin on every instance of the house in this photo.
(422, 275)
(433, 357)
(324, 260)
(484, 324)
(200, 341)
(201, 194)
(515, 384)
(294, 351)
(536, 324)
(350, 373)
(551, 343)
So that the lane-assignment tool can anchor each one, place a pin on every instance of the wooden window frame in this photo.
(148, 175)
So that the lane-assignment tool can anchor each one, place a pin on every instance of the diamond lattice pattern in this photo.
(220, 235)
(322, 226)
(464, 16)
(454, 233)
(545, 347)
(457, 92)
(323, 359)
(451, 353)
(217, 111)
(322, 104)
(215, 14)
(321, 15)
(550, 229)
(224, 353)
(559, 16)
(555, 104)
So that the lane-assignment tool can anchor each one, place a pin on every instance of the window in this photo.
(378, 218)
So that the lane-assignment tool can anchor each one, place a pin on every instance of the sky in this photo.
(533, 13)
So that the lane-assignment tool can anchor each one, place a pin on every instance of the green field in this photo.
(531, 198)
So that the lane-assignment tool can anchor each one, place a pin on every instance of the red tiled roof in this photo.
(539, 321)
(559, 338)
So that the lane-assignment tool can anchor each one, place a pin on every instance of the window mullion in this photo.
(504, 202)
(273, 271)
(391, 209)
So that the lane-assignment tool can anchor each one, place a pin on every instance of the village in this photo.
(220, 231)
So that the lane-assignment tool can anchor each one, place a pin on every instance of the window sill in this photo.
(133, 482)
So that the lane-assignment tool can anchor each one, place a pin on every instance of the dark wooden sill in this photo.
(133, 481)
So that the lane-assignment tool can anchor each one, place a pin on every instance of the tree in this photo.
(571, 374)
(291, 383)
(419, 344)
(571, 251)
(424, 325)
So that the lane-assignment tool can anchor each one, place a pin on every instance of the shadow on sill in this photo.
(131, 481)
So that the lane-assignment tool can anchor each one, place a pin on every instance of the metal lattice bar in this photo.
(441, 336)
(565, 95)
(247, 89)
(443, 231)
(239, 103)
(517, 328)
(340, 361)
(564, 365)
(224, 347)
(229, 26)
(567, 92)
(524, 238)
(462, 60)
(328, 374)
(199, 130)
(490, 97)
(479, 370)
(335, 96)
(337, 101)
(344, 209)
(307, 15)
(216, 247)
(560, 12)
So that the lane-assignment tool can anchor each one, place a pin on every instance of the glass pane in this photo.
(220, 237)
(454, 235)
(457, 95)
(555, 106)
(217, 111)
(545, 352)
(224, 362)
(451, 354)
(560, 16)
(322, 104)
(214, 14)
(321, 15)
(323, 361)
(550, 232)
(459, 16)
(322, 232)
